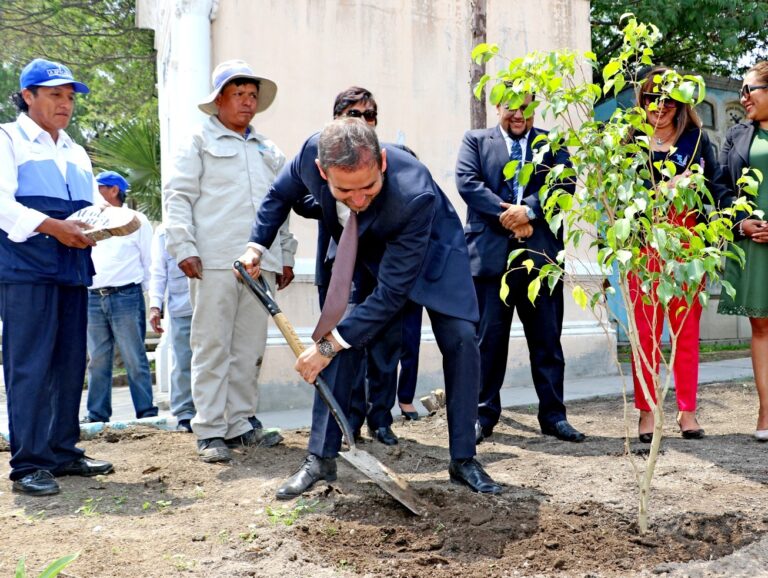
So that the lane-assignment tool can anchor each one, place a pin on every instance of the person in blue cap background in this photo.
(116, 311)
(45, 268)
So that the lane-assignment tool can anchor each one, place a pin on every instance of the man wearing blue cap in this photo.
(217, 185)
(116, 311)
(45, 268)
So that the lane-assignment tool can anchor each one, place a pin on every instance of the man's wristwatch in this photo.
(325, 348)
(530, 213)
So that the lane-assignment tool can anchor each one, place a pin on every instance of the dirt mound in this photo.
(566, 510)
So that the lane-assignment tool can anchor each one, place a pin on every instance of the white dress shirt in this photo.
(124, 260)
(524, 146)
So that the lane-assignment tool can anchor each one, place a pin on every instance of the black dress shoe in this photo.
(410, 415)
(313, 469)
(85, 467)
(480, 433)
(39, 483)
(470, 473)
(562, 430)
(645, 438)
(255, 437)
(384, 434)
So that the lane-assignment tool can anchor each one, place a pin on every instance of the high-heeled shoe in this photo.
(410, 415)
(689, 434)
(643, 438)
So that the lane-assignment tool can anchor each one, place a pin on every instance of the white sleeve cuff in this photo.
(25, 225)
(339, 339)
(261, 248)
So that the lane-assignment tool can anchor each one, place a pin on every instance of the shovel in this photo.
(361, 460)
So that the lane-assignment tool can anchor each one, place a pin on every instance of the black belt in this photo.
(104, 291)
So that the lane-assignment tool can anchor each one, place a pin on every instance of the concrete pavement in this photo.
(578, 388)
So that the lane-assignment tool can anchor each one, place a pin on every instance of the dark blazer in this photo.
(480, 181)
(734, 156)
(694, 147)
(411, 244)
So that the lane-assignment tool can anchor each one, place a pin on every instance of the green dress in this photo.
(751, 282)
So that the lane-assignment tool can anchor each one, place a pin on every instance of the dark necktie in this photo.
(516, 154)
(337, 298)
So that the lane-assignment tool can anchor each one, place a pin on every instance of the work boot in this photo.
(313, 469)
(213, 450)
(255, 437)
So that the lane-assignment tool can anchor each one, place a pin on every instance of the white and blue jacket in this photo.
(39, 179)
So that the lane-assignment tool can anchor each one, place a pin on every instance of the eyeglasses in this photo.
(747, 89)
(655, 97)
(369, 115)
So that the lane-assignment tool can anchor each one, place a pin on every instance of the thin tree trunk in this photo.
(477, 111)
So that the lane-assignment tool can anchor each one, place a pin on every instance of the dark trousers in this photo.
(44, 350)
(543, 325)
(409, 354)
(457, 341)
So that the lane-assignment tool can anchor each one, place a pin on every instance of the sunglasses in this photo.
(369, 115)
(747, 89)
(654, 97)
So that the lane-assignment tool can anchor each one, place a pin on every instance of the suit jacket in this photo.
(734, 156)
(480, 181)
(411, 244)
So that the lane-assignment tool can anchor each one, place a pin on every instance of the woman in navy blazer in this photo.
(746, 146)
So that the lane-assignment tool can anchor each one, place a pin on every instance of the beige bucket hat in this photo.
(229, 70)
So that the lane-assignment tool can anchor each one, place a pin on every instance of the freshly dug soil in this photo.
(567, 509)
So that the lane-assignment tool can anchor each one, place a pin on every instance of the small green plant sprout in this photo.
(199, 493)
(287, 516)
(223, 536)
(89, 508)
(119, 501)
(36, 517)
(180, 562)
(251, 534)
(53, 569)
(331, 531)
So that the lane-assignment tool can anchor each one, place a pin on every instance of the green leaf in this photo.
(509, 169)
(525, 174)
(504, 289)
(579, 296)
(21, 568)
(533, 289)
(610, 69)
(514, 255)
(622, 229)
(528, 264)
(623, 256)
(497, 93)
(55, 568)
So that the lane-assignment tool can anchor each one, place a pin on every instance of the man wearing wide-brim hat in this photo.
(218, 183)
(45, 268)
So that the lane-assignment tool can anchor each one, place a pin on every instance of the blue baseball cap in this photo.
(41, 72)
(112, 179)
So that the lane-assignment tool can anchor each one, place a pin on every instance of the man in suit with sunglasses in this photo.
(503, 215)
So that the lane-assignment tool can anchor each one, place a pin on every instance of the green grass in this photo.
(705, 349)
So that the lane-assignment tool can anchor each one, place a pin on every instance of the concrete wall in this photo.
(414, 56)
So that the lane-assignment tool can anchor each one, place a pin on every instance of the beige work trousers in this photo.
(228, 338)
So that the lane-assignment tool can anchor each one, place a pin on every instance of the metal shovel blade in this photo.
(383, 477)
(361, 460)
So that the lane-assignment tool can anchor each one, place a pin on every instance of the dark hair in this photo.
(352, 96)
(347, 144)
(761, 69)
(18, 100)
(685, 117)
(240, 82)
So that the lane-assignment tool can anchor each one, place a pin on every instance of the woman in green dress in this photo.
(746, 146)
